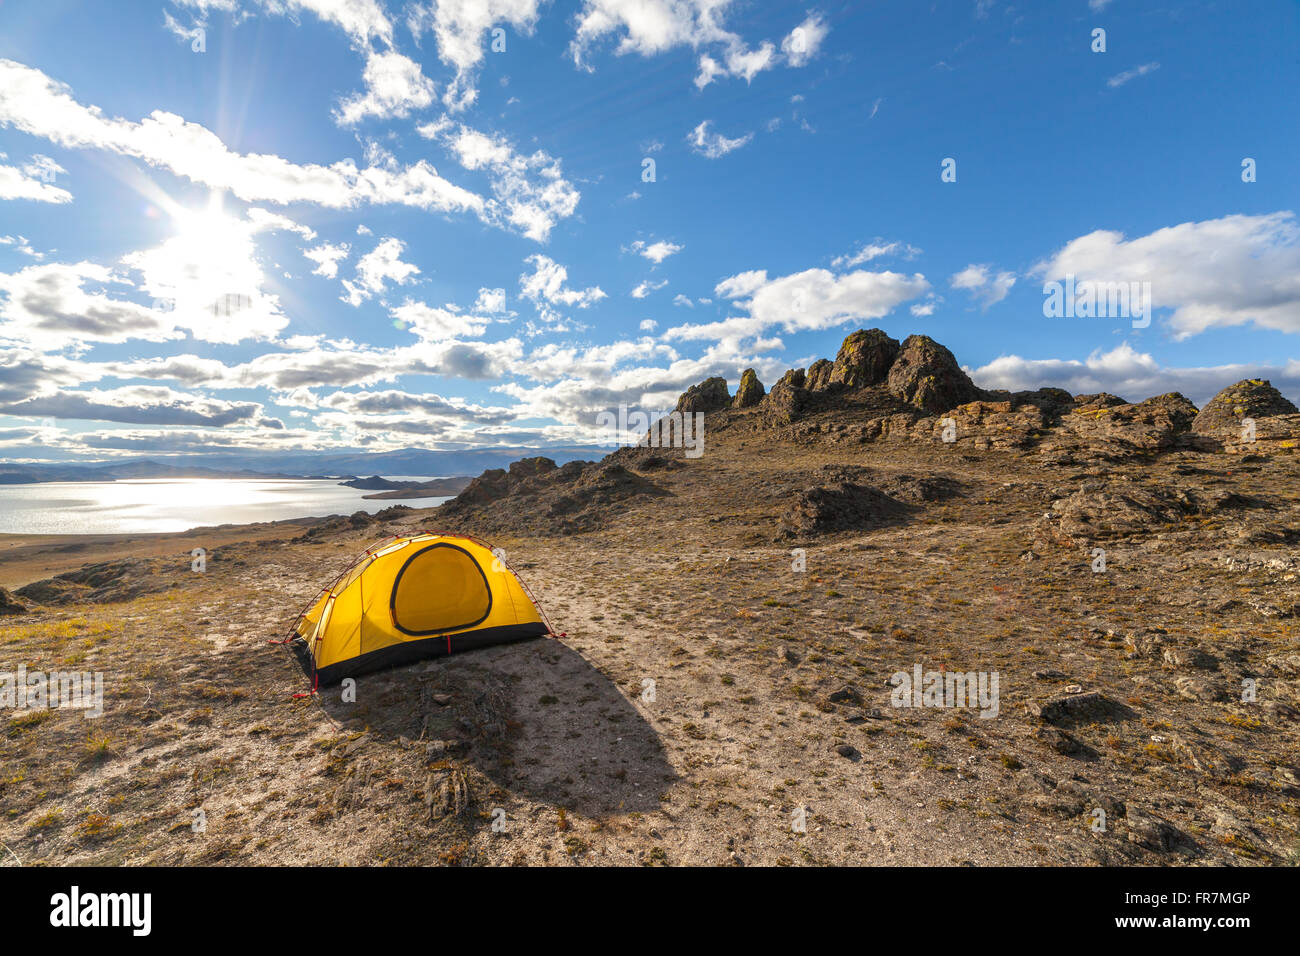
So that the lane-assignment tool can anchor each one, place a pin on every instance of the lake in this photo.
(176, 504)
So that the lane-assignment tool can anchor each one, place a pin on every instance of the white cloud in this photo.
(264, 221)
(458, 27)
(530, 193)
(33, 181)
(809, 300)
(741, 284)
(1130, 374)
(438, 325)
(547, 287)
(1213, 273)
(395, 86)
(714, 145)
(803, 42)
(33, 103)
(57, 306)
(652, 27)
(643, 289)
(983, 285)
(327, 257)
(141, 405)
(875, 250)
(1119, 79)
(491, 301)
(648, 325)
(21, 244)
(656, 252)
(378, 267)
(738, 61)
(362, 20)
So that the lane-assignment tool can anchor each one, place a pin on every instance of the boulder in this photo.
(750, 391)
(785, 403)
(926, 374)
(710, 395)
(795, 377)
(1112, 431)
(819, 375)
(842, 506)
(1249, 398)
(528, 467)
(864, 359)
(10, 604)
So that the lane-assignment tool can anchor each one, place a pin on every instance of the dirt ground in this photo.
(721, 692)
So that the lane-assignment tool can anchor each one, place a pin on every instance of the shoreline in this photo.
(25, 558)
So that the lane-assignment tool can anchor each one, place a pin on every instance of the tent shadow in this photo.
(534, 717)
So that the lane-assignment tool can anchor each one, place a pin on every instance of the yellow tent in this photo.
(414, 597)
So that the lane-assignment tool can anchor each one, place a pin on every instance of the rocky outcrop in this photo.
(750, 390)
(106, 582)
(795, 377)
(1155, 424)
(1249, 398)
(785, 403)
(1251, 415)
(926, 374)
(841, 506)
(538, 497)
(710, 395)
(10, 604)
(864, 359)
(819, 375)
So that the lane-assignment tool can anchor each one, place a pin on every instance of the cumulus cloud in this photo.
(33, 181)
(986, 287)
(327, 257)
(803, 42)
(547, 287)
(376, 269)
(657, 26)
(35, 104)
(364, 21)
(430, 322)
(1131, 374)
(529, 192)
(1214, 273)
(458, 28)
(59, 305)
(810, 300)
(656, 252)
(395, 87)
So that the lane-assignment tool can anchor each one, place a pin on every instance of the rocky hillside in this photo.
(731, 625)
(880, 391)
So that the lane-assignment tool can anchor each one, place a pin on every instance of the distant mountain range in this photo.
(299, 465)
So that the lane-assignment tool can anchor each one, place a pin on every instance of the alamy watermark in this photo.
(71, 690)
(1091, 299)
(683, 430)
(976, 690)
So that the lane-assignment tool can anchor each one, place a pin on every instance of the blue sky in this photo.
(346, 224)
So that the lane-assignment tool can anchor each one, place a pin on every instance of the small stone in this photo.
(848, 751)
